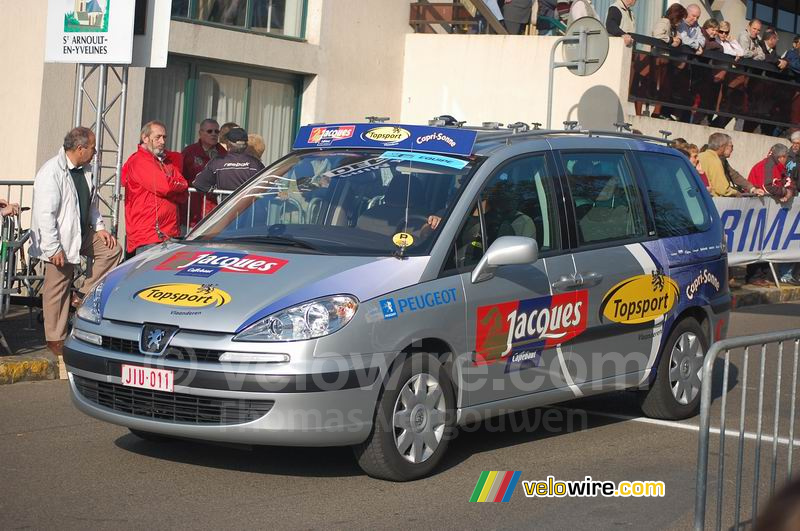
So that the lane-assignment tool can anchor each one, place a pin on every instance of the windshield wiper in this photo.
(274, 240)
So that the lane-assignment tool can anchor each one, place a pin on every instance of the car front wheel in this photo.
(414, 420)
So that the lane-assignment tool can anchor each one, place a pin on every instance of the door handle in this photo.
(566, 283)
(590, 279)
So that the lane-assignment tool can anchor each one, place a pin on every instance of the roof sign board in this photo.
(398, 137)
(89, 31)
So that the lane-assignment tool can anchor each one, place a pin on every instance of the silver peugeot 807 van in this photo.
(382, 285)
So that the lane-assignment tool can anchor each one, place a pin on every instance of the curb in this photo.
(752, 296)
(28, 368)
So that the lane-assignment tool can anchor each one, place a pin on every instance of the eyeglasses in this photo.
(723, 32)
(211, 131)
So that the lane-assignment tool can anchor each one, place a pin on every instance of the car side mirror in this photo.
(506, 250)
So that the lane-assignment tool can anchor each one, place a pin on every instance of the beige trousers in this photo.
(56, 293)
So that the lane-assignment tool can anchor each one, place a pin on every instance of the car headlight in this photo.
(89, 310)
(306, 321)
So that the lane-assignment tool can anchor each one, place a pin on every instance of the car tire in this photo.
(151, 437)
(675, 393)
(414, 420)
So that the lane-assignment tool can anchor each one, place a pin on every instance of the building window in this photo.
(186, 92)
(781, 14)
(275, 17)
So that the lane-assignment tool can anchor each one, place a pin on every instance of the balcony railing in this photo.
(714, 87)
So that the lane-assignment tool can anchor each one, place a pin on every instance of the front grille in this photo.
(176, 353)
(173, 407)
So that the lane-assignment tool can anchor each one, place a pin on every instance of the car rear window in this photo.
(674, 194)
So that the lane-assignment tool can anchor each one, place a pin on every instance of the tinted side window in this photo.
(607, 205)
(517, 201)
(676, 198)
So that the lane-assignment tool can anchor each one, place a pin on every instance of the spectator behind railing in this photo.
(517, 15)
(195, 158)
(255, 146)
(750, 41)
(793, 57)
(545, 12)
(771, 176)
(231, 170)
(768, 99)
(722, 183)
(689, 30)
(666, 29)
(620, 20)
(729, 46)
(706, 83)
(580, 9)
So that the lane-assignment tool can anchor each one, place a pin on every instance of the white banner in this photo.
(89, 31)
(757, 229)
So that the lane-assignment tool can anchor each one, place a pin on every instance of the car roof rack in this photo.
(500, 134)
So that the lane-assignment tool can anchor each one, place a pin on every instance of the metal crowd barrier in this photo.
(218, 196)
(770, 347)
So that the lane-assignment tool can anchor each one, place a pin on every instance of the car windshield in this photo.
(343, 202)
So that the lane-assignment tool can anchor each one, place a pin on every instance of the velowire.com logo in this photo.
(495, 486)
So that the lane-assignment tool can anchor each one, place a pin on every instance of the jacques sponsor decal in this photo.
(324, 136)
(704, 278)
(518, 331)
(206, 264)
(640, 299)
(185, 295)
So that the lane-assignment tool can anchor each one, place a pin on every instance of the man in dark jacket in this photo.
(232, 170)
(517, 14)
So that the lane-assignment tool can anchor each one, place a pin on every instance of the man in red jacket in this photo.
(195, 158)
(154, 190)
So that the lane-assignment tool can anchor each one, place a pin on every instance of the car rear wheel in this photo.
(413, 423)
(675, 393)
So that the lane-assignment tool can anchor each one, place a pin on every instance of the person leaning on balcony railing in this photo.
(620, 20)
(517, 15)
(666, 29)
(750, 41)
(729, 46)
(689, 30)
(768, 99)
(580, 9)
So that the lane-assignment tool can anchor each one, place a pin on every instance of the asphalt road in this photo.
(60, 468)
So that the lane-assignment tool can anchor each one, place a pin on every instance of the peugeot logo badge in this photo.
(155, 338)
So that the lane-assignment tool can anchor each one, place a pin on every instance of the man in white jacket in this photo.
(67, 224)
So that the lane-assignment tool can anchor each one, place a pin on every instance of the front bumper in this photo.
(286, 405)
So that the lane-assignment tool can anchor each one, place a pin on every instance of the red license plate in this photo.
(147, 378)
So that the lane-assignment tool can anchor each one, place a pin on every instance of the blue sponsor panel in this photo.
(449, 141)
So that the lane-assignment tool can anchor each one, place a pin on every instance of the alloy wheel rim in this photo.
(419, 418)
(685, 367)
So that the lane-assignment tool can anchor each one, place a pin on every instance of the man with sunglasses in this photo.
(195, 158)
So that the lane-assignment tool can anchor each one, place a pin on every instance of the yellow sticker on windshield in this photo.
(403, 240)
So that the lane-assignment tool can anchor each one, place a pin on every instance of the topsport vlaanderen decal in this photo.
(640, 299)
(185, 295)
(518, 331)
(206, 264)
